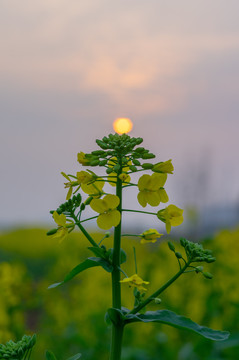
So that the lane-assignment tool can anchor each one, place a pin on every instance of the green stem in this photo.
(117, 329)
(91, 218)
(83, 230)
(139, 211)
(87, 235)
(159, 291)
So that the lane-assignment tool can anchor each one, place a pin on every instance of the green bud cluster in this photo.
(123, 146)
(12, 350)
(69, 205)
(196, 253)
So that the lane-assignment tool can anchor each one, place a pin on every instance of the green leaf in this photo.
(116, 316)
(123, 256)
(50, 355)
(170, 318)
(75, 357)
(88, 263)
(98, 251)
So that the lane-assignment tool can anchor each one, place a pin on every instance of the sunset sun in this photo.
(122, 125)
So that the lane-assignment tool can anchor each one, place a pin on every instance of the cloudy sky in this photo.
(69, 68)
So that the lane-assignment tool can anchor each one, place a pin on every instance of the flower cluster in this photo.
(121, 156)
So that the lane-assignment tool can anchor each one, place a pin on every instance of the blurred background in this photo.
(68, 69)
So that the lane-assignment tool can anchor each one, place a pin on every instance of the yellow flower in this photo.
(85, 177)
(171, 216)
(150, 235)
(70, 184)
(60, 220)
(135, 281)
(164, 167)
(106, 207)
(94, 189)
(151, 189)
(82, 159)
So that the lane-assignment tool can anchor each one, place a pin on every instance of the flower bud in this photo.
(88, 200)
(171, 246)
(133, 168)
(97, 152)
(94, 162)
(82, 207)
(148, 156)
(147, 166)
(51, 232)
(178, 255)
(138, 141)
(210, 259)
(101, 144)
(103, 162)
(109, 170)
(207, 275)
(140, 149)
(136, 162)
(198, 269)
(157, 301)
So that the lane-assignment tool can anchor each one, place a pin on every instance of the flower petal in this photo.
(175, 221)
(60, 219)
(163, 195)
(143, 182)
(142, 198)
(98, 205)
(94, 188)
(158, 180)
(106, 221)
(61, 234)
(153, 198)
(168, 227)
(112, 201)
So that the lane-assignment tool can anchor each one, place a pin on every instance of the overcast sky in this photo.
(69, 68)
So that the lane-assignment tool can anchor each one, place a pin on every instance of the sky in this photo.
(68, 69)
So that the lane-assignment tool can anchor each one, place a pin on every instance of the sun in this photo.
(122, 125)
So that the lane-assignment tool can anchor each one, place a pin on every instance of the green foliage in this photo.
(18, 350)
(56, 313)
